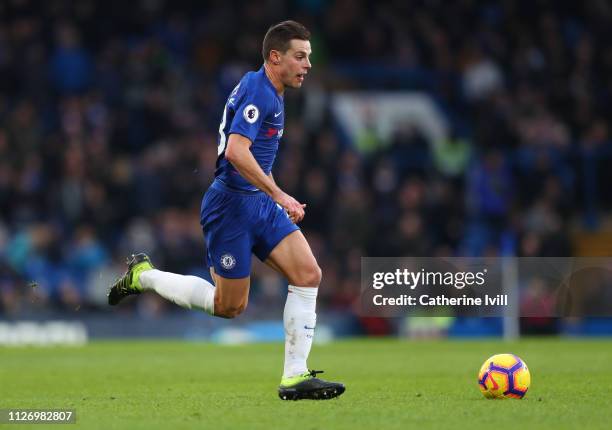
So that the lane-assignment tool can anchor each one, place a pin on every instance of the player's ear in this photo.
(275, 57)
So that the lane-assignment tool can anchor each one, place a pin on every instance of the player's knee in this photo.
(310, 277)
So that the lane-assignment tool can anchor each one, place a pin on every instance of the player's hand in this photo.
(294, 209)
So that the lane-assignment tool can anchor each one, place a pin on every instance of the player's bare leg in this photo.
(231, 295)
(294, 259)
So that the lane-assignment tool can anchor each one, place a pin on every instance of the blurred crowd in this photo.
(109, 114)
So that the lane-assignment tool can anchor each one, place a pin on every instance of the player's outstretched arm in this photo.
(238, 153)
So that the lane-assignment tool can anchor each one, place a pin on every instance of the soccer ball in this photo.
(502, 376)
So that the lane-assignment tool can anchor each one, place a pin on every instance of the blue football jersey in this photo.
(256, 111)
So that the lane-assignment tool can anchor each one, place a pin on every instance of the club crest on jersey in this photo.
(228, 261)
(250, 114)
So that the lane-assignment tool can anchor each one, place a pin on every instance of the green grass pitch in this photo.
(390, 384)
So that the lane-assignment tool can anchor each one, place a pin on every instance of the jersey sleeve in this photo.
(251, 110)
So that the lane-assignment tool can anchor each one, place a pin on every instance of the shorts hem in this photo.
(231, 276)
(269, 249)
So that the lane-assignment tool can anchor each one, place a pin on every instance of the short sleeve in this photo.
(251, 110)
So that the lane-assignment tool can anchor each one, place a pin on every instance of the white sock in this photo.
(300, 319)
(189, 292)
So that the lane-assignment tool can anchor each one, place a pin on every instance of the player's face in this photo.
(295, 63)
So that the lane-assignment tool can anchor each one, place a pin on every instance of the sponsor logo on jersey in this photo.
(273, 131)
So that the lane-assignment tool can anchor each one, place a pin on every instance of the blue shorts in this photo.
(237, 223)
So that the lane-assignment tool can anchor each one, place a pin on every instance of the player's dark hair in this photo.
(279, 36)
